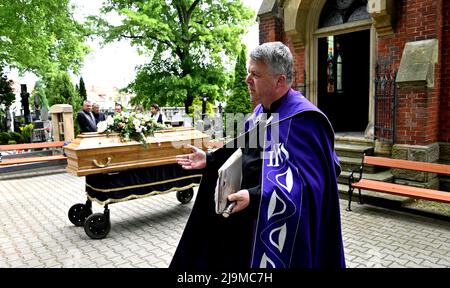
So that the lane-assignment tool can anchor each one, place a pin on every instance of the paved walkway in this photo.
(35, 230)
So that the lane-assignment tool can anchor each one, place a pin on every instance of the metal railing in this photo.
(385, 103)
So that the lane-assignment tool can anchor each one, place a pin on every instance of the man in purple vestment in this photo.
(289, 217)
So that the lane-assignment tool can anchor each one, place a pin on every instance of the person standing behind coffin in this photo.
(118, 108)
(85, 118)
(98, 116)
(156, 114)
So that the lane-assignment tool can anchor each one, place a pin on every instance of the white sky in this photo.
(114, 64)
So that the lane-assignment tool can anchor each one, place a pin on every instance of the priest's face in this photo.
(262, 83)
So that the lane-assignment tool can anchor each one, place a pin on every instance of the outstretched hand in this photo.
(194, 160)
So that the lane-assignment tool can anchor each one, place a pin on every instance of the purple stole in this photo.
(282, 189)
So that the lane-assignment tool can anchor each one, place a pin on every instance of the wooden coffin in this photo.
(94, 153)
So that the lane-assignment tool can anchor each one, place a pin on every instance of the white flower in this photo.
(110, 120)
(102, 126)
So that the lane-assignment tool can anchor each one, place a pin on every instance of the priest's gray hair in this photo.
(278, 57)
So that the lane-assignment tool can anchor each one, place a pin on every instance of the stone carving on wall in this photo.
(382, 13)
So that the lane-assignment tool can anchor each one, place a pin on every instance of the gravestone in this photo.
(24, 95)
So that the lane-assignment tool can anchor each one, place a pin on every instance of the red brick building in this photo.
(379, 69)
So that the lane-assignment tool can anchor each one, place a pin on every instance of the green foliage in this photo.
(189, 44)
(82, 90)
(39, 91)
(40, 36)
(14, 136)
(238, 104)
(25, 136)
(6, 98)
(239, 100)
(4, 138)
(60, 90)
(6, 93)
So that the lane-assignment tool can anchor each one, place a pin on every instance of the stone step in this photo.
(353, 150)
(350, 139)
(385, 176)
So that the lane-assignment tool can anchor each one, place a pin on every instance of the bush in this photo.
(26, 130)
(14, 136)
(4, 138)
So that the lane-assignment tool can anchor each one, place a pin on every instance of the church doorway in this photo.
(343, 67)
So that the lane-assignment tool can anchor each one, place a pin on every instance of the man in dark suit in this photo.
(98, 116)
(85, 118)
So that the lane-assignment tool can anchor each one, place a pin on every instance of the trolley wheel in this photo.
(185, 196)
(97, 226)
(78, 213)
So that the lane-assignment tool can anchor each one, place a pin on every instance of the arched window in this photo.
(336, 12)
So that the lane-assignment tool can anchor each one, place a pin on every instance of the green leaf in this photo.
(190, 46)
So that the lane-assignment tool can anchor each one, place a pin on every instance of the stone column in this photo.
(62, 122)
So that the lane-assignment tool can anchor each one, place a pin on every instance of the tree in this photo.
(189, 42)
(238, 104)
(60, 90)
(82, 90)
(7, 97)
(239, 100)
(40, 36)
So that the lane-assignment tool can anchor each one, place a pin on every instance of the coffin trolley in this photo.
(119, 171)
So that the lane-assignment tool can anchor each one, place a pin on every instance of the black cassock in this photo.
(209, 240)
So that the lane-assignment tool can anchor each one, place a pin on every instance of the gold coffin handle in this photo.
(102, 165)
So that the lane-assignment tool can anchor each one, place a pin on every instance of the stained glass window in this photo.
(334, 66)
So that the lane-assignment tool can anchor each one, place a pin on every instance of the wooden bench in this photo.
(398, 189)
(30, 146)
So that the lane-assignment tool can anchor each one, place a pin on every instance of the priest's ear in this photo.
(281, 81)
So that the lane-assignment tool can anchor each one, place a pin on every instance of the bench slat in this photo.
(407, 164)
(408, 191)
(24, 160)
(26, 146)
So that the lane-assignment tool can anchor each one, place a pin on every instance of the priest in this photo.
(287, 212)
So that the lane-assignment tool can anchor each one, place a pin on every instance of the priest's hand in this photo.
(194, 160)
(242, 199)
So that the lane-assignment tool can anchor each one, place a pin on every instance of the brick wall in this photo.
(270, 29)
(416, 114)
(299, 66)
(418, 108)
(415, 20)
(444, 46)
(424, 114)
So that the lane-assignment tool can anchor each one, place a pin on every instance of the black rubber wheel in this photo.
(185, 196)
(97, 226)
(78, 213)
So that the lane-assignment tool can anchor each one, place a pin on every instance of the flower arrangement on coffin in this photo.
(130, 126)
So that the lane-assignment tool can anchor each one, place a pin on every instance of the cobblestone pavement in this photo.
(35, 230)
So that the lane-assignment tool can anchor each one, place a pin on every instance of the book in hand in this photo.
(228, 182)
